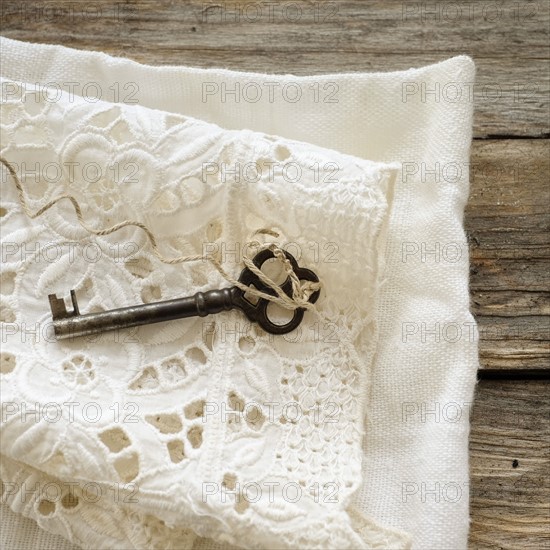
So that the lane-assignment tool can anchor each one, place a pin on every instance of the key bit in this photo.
(73, 324)
(59, 310)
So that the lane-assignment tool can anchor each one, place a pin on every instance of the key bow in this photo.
(258, 312)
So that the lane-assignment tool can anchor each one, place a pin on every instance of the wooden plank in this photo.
(516, 356)
(509, 304)
(510, 465)
(493, 32)
(507, 220)
(509, 183)
(507, 39)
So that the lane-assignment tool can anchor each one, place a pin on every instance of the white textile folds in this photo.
(383, 223)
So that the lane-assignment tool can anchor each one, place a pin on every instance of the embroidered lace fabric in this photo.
(202, 427)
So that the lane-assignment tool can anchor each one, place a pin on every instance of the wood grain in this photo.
(509, 465)
(508, 225)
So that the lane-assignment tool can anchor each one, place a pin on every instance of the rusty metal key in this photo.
(70, 324)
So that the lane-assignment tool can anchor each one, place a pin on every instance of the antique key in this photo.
(71, 324)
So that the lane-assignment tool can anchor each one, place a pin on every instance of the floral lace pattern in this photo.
(205, 426)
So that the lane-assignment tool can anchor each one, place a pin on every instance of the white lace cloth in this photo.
(385, 117)
(187, 410)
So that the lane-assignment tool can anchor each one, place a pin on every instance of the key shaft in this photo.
(70, 325)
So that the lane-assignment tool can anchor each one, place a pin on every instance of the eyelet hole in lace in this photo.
(196, 355)
(7, 282)
(46, 507)
(7, 362)
(165, 423)
(235, 402)
(254, 417)
(6, 314)
(78, 369)
(229, 481)
(246, 344)
(241, 504)
(175, 450)
(3, 211)
(194, 410)
(139, 267)
(173, 369)
(147, 380)
(120, 131)
(281, 153)
(127, 467)
(69, 501)
(195, 436)
(115, 439)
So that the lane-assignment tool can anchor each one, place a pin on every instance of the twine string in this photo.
(301, 290)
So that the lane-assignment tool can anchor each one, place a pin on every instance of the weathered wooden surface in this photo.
(507, 216)
(507, 223)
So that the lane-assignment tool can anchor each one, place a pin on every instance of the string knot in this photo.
(301, 290)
